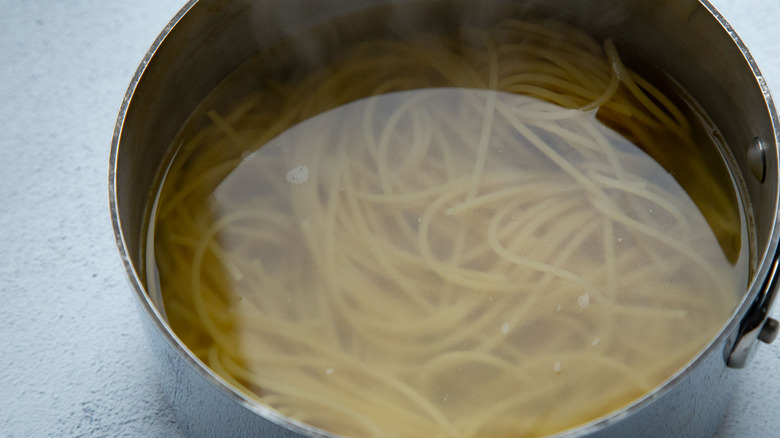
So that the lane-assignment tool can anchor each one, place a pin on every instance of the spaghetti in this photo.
(441, 238)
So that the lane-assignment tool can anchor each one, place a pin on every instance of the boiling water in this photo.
(442, 260)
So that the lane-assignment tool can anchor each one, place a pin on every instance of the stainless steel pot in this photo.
(688, 39)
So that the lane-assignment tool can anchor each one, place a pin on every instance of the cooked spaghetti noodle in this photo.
(440, 237)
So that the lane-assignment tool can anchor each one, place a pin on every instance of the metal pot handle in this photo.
(757, 325)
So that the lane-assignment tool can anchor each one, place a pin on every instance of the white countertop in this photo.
(73, 359)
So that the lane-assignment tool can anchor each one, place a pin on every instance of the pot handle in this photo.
(757, 325)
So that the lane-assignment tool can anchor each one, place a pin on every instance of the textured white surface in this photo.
(73, 359)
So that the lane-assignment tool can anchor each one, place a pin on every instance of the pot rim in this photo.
(721, 343)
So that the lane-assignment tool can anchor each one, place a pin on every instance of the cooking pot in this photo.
(689, 40)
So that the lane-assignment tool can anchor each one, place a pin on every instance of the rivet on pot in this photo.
(757, 159)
